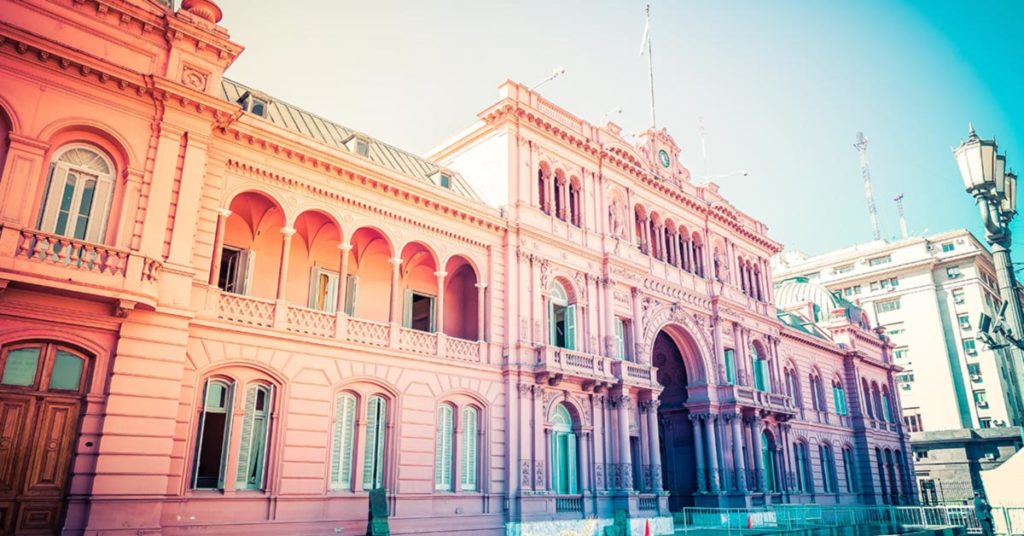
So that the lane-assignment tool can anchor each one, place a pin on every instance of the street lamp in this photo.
(994, 188)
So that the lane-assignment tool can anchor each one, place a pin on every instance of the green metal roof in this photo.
(330, 133)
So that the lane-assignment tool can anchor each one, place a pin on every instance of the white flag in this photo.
(647, 33)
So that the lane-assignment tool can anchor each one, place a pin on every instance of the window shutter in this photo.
(344, 432)
(351, 290)
(443, 453)
(100, 210)
(468, 461)
(570, 327)
(199, 437)
(54, 192)
(552, 330)
(620, 339)
(314, 287)
(246, 267)
(570, 456)
(433, 315)
(557, 463)
(331, 294)
(373, 452)
(229, 404)
(407, 309)
(245, 446)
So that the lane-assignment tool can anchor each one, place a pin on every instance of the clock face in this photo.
(663, 156)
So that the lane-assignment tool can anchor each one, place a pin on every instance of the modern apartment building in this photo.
(928, 293)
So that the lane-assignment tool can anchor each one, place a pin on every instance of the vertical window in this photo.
(564, 465)
(965, 322)
(953, 272)
(236, 267)
(839, 394)
(969, 347)
(468, 455)
(323, 290)
(212, 435)
(561, 319)
(443, 453)
(252, 448)
(886, 409)
(768, 462)
(981, 399)
(542, 190)
(342, 446)
(730, 366)
(849, 470)
(828, 477)
(958, 296)
(760, 368)
(373, 451)
(78, 194)
(419, 311)
(947, 247)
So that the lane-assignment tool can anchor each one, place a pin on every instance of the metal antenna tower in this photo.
(899, 210)
(862, 149)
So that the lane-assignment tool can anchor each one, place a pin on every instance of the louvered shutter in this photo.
(314, 287)
(468, 461)
(373, 452)
(351, 290)
(620, 339)
(54, 194)
(246, 444)
(570, 457)
(331, 293)
(228, 422)
(261, 435)
(407, 309)
(100, 211)
(443, 453)
(344, 432)
(552, 327)
(570, 327)
(244, 272)
(199, 437)
(556, 462)
(730, 366)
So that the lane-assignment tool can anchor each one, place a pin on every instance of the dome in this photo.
(796, 293)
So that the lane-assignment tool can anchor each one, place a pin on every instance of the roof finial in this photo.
(970, 128)
(204, 9)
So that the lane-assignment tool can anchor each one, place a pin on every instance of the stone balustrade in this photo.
(280, 315)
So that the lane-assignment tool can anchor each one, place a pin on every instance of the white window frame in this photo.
(330, 304)
(103, 194)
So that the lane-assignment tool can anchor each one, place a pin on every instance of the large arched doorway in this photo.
(675, 355)
(41, 388)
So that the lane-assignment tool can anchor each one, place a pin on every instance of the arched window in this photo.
(698, 255)
(564, 464)
(730, 366)
(559, 196)
(881, 475)
(804, 481)
(78, 193)
(542, 191)
(839, 394)
(818, 401)
(793, 387)
(443, 449)
(886, 405)
(867, 398)
(468, 454)
(574, 203)
(759, 365)
(561, 318)
(373, 450)
(849, 470)
(342, 446)
(828, 468)
(212, 435)
(768, 460)
(5, 134)
(252, 449)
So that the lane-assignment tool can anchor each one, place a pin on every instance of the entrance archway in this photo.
(677, 358)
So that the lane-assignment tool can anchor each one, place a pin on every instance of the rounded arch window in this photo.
(79, 188)
(564, 459)
(561, 318)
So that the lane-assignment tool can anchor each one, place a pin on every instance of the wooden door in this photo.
(41, 387)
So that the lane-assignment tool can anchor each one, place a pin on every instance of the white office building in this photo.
(928, 293)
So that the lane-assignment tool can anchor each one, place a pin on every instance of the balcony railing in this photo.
(77, 263)
(552, 359)
(747, 395)
(279, 315)
(569, 503)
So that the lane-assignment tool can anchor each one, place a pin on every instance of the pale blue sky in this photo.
(782, 87)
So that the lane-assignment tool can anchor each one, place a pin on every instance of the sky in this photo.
(781, 87)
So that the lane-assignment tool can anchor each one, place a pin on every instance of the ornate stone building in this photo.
(224, 313)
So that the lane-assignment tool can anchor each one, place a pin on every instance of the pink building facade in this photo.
(221, 312)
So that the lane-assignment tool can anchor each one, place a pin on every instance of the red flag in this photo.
(647, 527)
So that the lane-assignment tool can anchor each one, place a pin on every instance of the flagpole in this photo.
(650, 64)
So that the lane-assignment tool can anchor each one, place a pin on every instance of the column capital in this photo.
(288, 231)
(440, 274)
(649, 405)
(480, 286)
(621, 400)
(345, 247)
(223, 212)
(395, 261)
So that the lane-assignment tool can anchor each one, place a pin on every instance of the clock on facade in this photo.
(663, 156)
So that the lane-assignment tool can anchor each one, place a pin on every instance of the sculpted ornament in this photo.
(617, 218)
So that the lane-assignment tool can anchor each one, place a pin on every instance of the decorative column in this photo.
(645, 231)
(218, 245)
(549, 183)
(737, 453)
(625, 456)
(439, 315)
(481, 293)
(755, 434)
(654, 442)
(396, 296)
(674, 242)
(698, 449)
(609, 316)
(341, 321)
(638, 355)
(661, 241)
(286, 249)
(741, 354)
(709, 428)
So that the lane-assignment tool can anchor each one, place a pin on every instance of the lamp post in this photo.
(995, 189)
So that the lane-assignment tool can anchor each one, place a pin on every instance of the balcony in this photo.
(555, 363)
(301, 321)
(744, 395)
(53, 261)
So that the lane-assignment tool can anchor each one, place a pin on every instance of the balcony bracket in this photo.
(123, 307)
